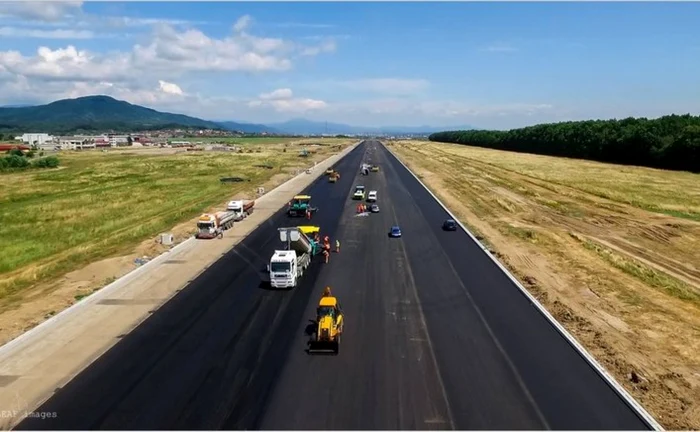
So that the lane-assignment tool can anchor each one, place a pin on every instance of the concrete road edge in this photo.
(636, 406)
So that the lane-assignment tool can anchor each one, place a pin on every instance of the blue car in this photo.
(395, 231)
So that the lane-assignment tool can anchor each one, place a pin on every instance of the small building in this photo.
(119, 140)
(76, 143)
(102, 142)
(41, 140)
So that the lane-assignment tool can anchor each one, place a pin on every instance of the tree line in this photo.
(669, 142)
(16, 159)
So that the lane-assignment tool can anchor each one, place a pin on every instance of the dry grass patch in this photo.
(612, 251)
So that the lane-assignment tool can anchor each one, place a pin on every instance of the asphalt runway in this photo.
(436, 337)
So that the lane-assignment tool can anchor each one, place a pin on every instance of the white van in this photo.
(372, 197)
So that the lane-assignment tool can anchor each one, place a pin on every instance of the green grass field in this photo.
(98, 204)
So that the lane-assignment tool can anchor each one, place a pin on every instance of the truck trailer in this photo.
(288, 266)
(211, 225)
(241, 208)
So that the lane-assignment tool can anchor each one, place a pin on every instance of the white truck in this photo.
(287, 266)
(241, 208)
(211, 225)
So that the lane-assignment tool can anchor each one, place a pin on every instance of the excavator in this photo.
(329, 319)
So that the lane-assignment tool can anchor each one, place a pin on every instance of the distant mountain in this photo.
(248, 127)
(93, 113)
(308, 127)
(16, 106)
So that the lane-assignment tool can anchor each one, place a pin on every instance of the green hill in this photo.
(93, 113)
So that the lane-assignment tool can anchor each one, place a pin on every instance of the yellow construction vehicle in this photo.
(329, 319)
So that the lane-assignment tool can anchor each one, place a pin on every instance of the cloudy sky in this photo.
(489, 65)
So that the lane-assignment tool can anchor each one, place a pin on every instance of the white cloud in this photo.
(283, 93)
(17, 32)
(499, 47)
(327, 46)
(242, 23)
(170, 88)
(49, 11)
(390, 86)
(168, 53)
(283, 100)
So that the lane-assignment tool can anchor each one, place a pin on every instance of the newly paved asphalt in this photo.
(436, 337)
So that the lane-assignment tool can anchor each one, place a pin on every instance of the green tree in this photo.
(671, 142)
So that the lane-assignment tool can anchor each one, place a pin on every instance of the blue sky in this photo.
(492, 65)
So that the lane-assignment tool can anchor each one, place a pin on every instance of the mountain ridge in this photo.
(101, 113)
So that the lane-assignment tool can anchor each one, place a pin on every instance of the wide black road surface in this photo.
(436, 337)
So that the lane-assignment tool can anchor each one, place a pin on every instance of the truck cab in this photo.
(207, 227)
(283, 269)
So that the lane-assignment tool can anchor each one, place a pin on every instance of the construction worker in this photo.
(337, 246)
(326, 255)
(308, 214)
(327, 292)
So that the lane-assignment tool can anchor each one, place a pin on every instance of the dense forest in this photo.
(670, 142)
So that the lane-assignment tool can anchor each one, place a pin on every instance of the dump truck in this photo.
(299, 204)
(329, 326)
(241, 208)
(287, 266)
(334, 177)
(210, 225)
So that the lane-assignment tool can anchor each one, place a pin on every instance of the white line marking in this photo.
(636, 406)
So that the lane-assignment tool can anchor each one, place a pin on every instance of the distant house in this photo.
(75, 143)
(119, 140)
(102, 142)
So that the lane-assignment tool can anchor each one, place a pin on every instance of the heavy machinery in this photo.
(299, 205)
(212, 225)
(330, 322)
(288, 266)
(333, 177)
(241, 208)
(359, 193)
